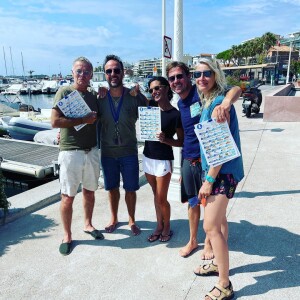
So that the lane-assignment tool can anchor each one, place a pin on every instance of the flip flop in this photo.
(135, 230)
(65, 248)
(111, 228)
(153, 237)
(96, 234)
(165, 238)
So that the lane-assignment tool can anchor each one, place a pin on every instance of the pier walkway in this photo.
(264, 240)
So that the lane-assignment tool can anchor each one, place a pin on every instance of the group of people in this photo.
(112, 121)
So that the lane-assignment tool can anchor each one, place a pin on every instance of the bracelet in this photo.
(210, 179)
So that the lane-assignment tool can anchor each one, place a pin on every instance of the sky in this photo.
(50, 34)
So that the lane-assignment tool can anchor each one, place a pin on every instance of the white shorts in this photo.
(78, 166)
(156, 167)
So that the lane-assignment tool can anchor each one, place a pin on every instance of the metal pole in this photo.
(5, 61)
(288, 70)
(163, 59)
(178, 30)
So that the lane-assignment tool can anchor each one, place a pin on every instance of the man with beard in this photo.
(119, 154)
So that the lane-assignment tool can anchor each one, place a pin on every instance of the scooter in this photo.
(252, 99)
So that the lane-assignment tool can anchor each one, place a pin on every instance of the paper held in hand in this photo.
(149, 122)
(216, 142)
(73, 106)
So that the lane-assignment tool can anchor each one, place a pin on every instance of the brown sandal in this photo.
(225, 293)
(207, 270)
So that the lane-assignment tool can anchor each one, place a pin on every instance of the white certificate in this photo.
(216, 142)
(149, 122)
(73, 106)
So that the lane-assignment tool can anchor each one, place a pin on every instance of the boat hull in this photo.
(25, 129)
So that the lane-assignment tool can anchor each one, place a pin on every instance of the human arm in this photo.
(222, 112)
(58, 120)
(178, 142)
(207, 186)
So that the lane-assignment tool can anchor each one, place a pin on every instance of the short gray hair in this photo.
(85, 60)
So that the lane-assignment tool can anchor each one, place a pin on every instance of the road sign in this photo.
(167, 47)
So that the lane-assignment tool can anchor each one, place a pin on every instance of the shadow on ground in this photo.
(14, 233)
(283, 248)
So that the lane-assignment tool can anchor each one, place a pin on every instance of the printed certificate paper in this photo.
(73, 106)
(216, 142)
(150, 123)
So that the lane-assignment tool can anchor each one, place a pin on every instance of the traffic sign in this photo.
(167, 47)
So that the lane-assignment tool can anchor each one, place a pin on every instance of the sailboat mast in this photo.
(12, 64)
(5, 61)
(23, 65)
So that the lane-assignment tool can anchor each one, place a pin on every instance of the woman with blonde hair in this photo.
(220, 182)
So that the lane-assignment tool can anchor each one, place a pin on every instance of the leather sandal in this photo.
(207, 270)
(225, 293)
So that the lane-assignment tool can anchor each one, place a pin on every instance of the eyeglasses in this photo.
(81, 72)
(156, 88)
(116, 71)
(177, 76)
(198, 74)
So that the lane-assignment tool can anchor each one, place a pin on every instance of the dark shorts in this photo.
(127, 166)
(224, 184)
(191, 179)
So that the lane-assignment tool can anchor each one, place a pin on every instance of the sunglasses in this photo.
(116, 71)
(156, 88)
(81, 72)
(198, 74)
(177, 76)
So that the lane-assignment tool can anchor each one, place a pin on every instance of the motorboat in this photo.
(4, 125)
(49, 86)
(13, 89)
(28, 124)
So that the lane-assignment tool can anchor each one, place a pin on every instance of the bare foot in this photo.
(111, 228)
(188, 249)
(207, 252)
(135, 229)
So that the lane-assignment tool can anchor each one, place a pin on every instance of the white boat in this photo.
(48, 137)
(13, 89)
(4, 125)
(98, 81)
(49, 86)
(27, 125)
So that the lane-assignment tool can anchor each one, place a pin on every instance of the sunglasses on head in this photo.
(156, 88)
(198, 74)
(177, 76)
(116, 71)
(81, 72)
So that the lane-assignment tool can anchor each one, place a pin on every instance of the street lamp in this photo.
(289, 63)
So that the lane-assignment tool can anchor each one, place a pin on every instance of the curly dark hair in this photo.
(162, 81)
(113, 57)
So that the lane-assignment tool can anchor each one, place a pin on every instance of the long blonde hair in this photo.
(220, 81)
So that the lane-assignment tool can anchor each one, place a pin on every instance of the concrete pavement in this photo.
(264, 240)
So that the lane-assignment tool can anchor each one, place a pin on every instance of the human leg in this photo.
(66, 212)
(194, 216)
(159, 226)
(215, 211)
(129, 168)
(111, 174)
(114, 199)
(88, 208)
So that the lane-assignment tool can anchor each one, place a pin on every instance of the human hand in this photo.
(161, 137)
(134, 90)
(222, 112)
(90, 118)
(205, 190)
(102, 91)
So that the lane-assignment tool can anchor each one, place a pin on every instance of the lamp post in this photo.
(289, 63)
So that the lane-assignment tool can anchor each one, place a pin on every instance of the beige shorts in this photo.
(156, 167)
(78, 166)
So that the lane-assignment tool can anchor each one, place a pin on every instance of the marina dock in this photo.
(28, 158)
